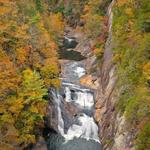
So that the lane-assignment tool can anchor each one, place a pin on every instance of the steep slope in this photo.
(28, 66)
(123, 101)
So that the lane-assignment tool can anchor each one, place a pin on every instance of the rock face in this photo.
(89, 81)
(113, 126)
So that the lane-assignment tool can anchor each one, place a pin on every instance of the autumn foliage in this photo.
(131, 37)
(28, 67)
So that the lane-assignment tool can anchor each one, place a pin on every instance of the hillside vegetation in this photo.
(131, 38)
(30, 32)
(29, 36)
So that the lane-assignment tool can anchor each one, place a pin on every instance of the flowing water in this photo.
(77, 132)
(70, 54)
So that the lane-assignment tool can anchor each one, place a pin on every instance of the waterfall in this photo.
(86, 129)
(68, 94)
(75, 109)
(83, 124)
(57, 98)
(80, 71)
(72, 71)
(79, 95)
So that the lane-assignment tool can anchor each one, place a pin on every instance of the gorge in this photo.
(74, 75)
(75, 124)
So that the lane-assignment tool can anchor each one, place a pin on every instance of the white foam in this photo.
(83, 98)
(68, 94)
(76, 87)
(69, 39)
(57, 99)
(80, 71)
(87, 129)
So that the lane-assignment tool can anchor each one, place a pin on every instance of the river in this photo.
(76, 125)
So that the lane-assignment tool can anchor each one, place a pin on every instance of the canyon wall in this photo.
(114, 130)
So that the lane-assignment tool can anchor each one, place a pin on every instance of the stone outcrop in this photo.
(114, 133)
(89, 81)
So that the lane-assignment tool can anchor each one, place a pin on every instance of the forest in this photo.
(31, 32)
(28, 65)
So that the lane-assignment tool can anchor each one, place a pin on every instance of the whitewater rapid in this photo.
(81, 97)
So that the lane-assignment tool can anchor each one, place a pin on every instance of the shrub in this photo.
(143, 140)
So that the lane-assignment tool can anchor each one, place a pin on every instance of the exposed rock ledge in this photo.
(89, 81)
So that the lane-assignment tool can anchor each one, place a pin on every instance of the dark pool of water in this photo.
(57, 142)
(72, 43)
(70, 55)
(67, 52)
